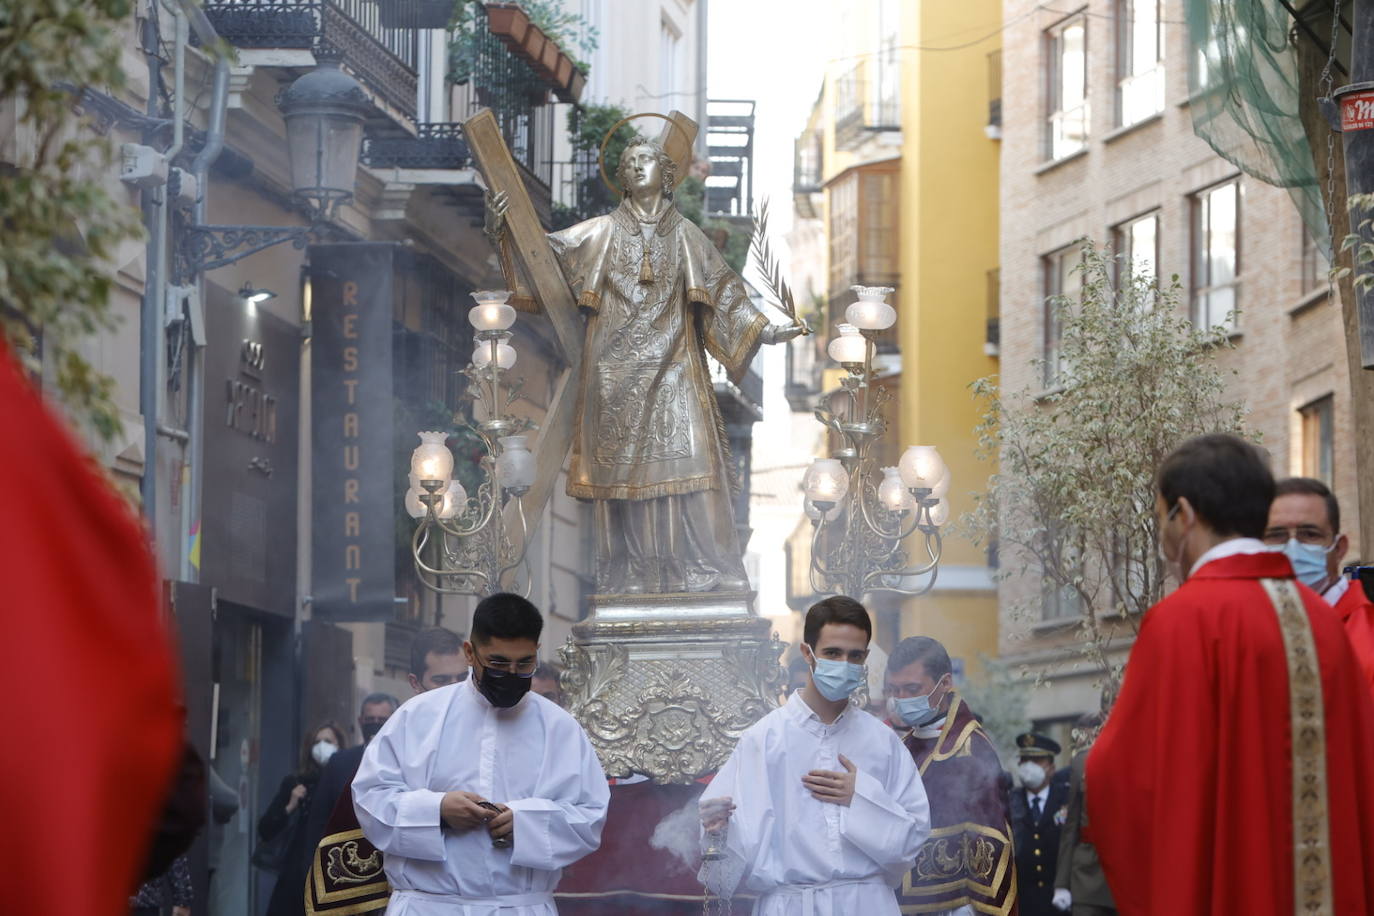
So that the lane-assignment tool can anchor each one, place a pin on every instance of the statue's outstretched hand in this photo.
(497, 205)
(781, 333)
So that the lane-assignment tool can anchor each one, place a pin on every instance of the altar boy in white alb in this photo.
(822, 808)
(480, 793)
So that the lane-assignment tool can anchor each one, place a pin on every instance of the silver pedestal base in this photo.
(665, 684)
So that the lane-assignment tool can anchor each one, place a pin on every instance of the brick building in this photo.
(1098, 142)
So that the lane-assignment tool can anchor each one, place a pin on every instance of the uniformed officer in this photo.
(1038, 811)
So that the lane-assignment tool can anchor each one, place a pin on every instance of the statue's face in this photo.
(641, 169)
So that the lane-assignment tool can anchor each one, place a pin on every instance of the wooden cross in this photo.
(539, 268)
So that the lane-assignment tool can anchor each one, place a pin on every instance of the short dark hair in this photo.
(835, 609)
(505, 616)
(1225, 478)
(932, 656)
(1308, 486)
(436, 640)
(372, 699)
(548, 671)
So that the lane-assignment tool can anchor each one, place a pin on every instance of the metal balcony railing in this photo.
(385, 59)
(435, 146)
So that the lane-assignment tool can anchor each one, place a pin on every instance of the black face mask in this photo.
(369, 730)
(501, 688)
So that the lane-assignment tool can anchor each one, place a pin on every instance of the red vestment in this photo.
(1190, 785)
(1357, 613)
(88, 763)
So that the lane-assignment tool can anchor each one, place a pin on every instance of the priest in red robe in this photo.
(1233, 773)
(85, 775)
(1305, 523)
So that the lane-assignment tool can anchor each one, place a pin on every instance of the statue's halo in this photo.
(683, 162)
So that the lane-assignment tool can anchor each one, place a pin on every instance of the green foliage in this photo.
(54, 285)
(1359, 243)
(1073, 503)
(588, 126)
(999, 700)
(690, 198)
(570, 31)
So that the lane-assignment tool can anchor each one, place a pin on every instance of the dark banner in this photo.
(353, 557)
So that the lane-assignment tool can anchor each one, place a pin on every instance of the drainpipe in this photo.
(150, 344)
(195, 364)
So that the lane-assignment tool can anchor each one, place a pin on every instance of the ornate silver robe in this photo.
(659, 296)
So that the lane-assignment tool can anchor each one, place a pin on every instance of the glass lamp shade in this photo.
(871, 313)
(515, 466)
(491, 313)
(481, 354)
(414, 508)
(939, 513)
(941, 489)
(826, 481)
(921, 467)
(324, 112)
(815, 514)
(455, 498)
(432, 460)
(849, 347)
(893, 494)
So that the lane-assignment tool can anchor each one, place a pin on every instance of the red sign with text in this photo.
(1357, 111)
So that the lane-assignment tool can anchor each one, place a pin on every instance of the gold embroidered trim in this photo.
(650, 491)
(699, 295)
(590, 299)
(1311, 822)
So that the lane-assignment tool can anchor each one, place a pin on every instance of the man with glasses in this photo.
(478, 794)
(1305, 522)
(819, 809)
(1232, 775)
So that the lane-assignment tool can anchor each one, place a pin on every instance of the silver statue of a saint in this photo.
(649, 448)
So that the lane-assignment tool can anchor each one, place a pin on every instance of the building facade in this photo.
(895, 185)
(271, 451)
(1097, 143)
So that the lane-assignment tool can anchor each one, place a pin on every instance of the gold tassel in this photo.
(646, 271)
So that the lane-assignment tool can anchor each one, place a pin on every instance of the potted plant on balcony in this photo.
(415, 14)
(563, 71)
(532, 49)
(508, 22)
(548, 61)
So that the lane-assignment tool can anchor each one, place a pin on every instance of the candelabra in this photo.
(462, 545)
(862, 523)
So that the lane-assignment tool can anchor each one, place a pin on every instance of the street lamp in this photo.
(461, 545)
(860, 523)
(324, 112)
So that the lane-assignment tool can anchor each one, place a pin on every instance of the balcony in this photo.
(865, 105)
(384, 59)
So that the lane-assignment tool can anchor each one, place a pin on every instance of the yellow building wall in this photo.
(949, 187)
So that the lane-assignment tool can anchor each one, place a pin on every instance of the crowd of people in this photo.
(1229, 775)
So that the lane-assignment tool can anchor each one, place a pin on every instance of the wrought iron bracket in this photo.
(208, 247)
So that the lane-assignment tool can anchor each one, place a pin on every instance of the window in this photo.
(1139, 60)
(1216, 254)
(1318, 448)
(1315, 264)
(1137, 250)
(1058, 602)
(1066, 45)
(887, 104)
(1063, 283)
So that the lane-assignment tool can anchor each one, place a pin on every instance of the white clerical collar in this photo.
(1233, 547)
(1336, 592)
(932, 730)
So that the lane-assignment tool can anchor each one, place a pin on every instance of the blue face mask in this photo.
(916, 712)
(1309, 561)
(836, 679)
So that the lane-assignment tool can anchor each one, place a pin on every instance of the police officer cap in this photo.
(1033, 744)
